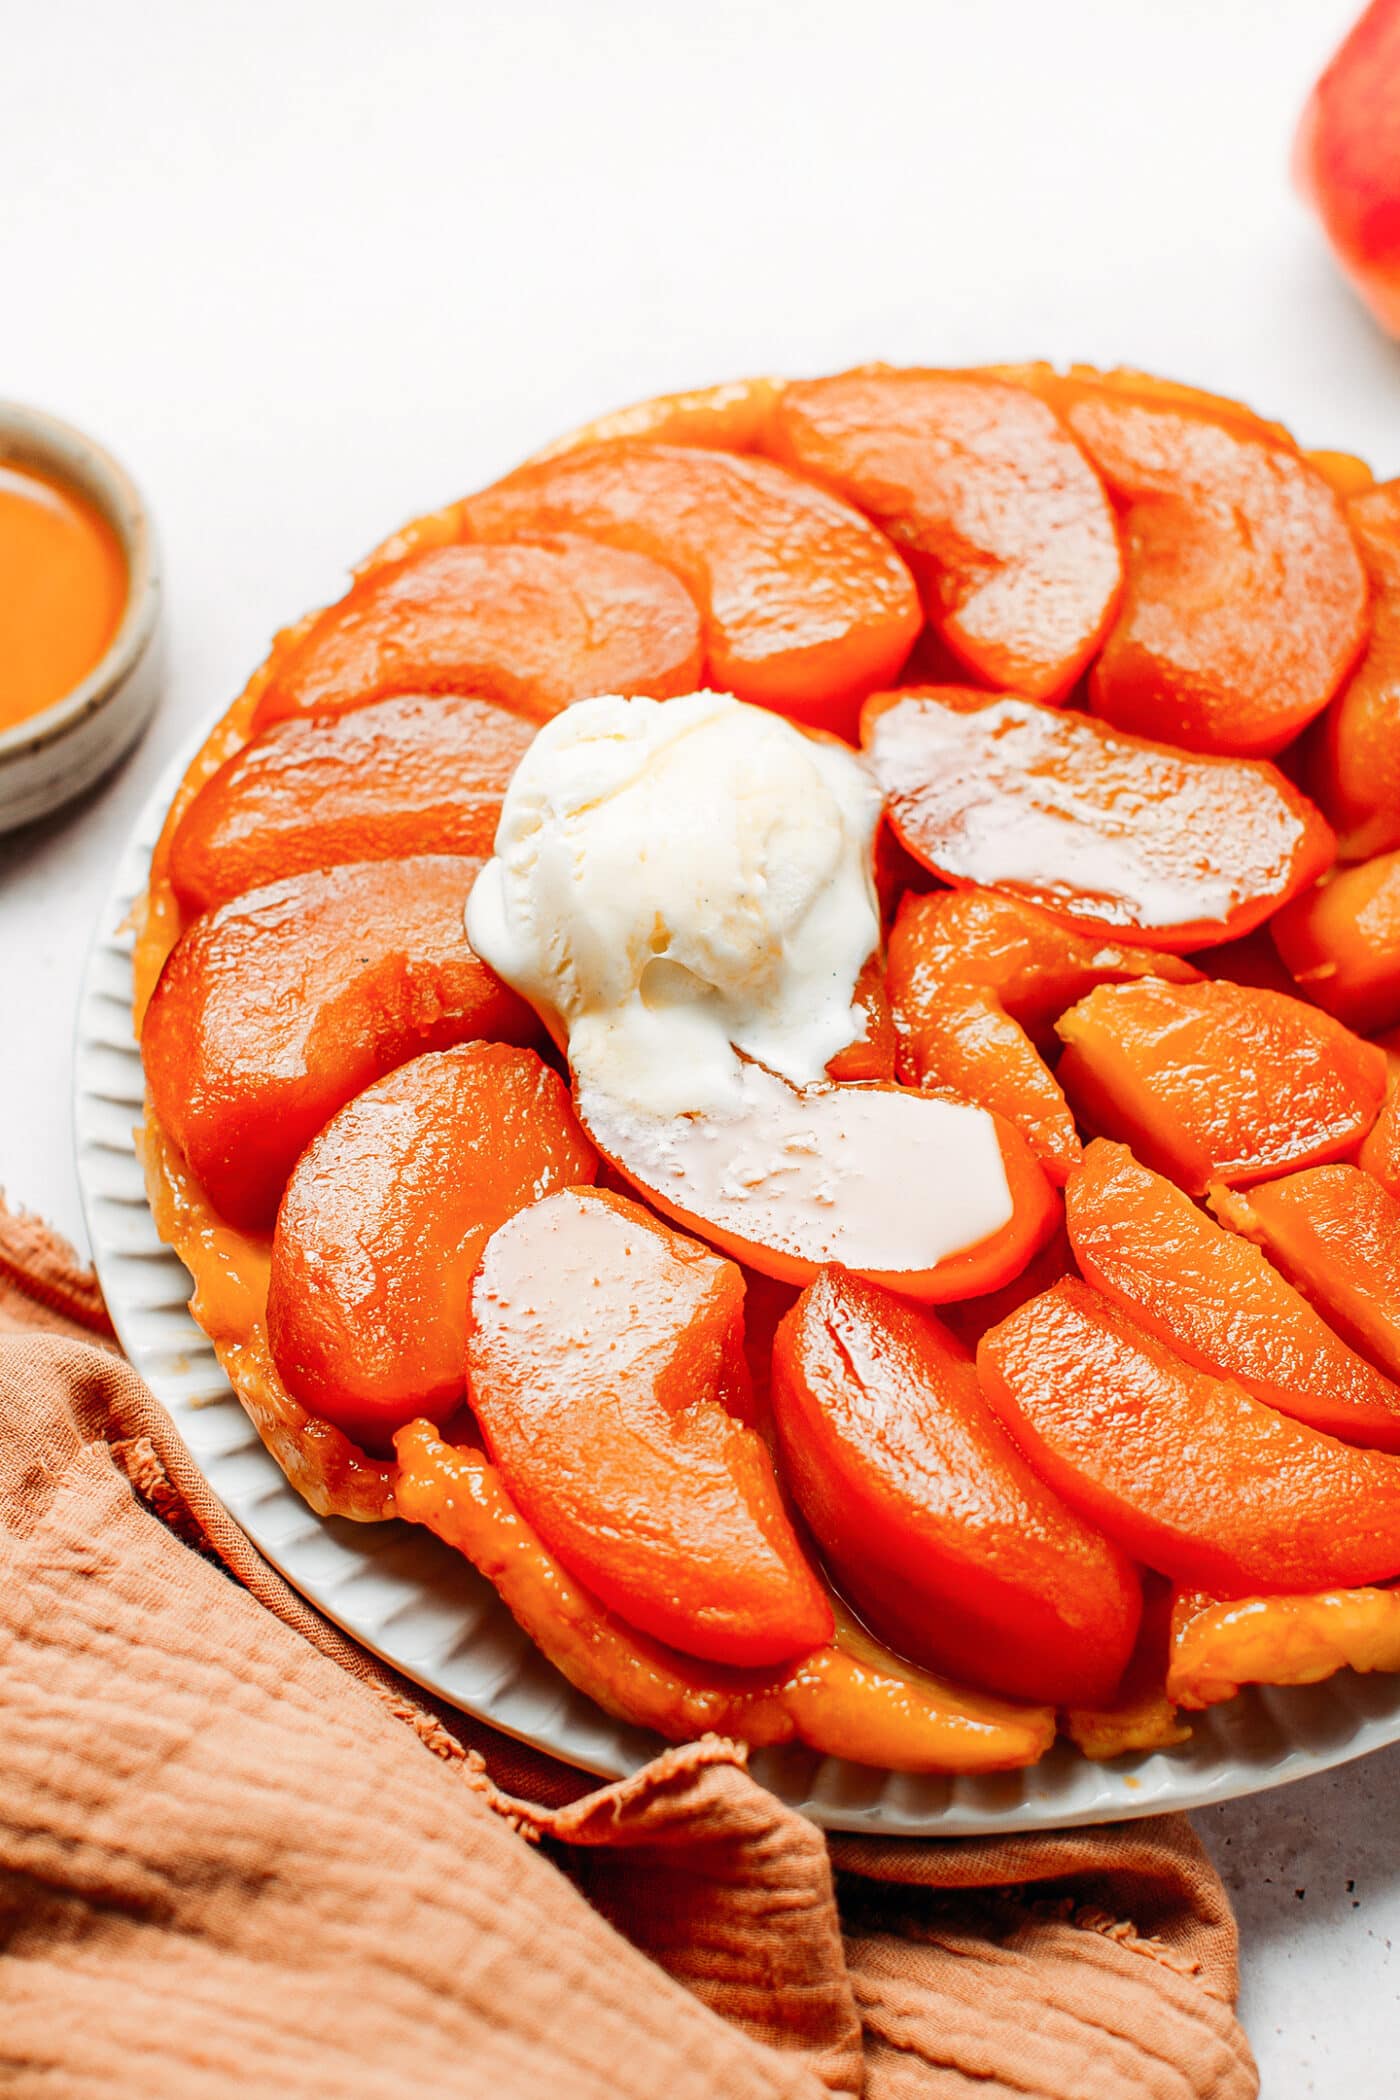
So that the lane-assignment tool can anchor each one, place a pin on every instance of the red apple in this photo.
(1346, 158)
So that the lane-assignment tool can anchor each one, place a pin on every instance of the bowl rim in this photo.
(32, 437)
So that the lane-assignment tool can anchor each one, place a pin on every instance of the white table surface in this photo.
(313, 266)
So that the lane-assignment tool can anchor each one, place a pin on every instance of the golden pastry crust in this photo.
(851, 1698)
(1219, 1646)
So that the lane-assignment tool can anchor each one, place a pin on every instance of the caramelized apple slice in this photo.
(931, 1521)
(1213, 1298)
(1002, 520)
(602, 1356)
(1380, 1155)
(871, 1054)
(1218, 1081)
(1357, 758)
(969, 1318)
(229, 1270)
(535, 626)
(851, 1698)
(1244, 603)
(1125, 382)
(415, 774)
(965, 1045)
(806, 605)
(1336, 1232)
(729, 417)
(1347, 474)
(1186, 1471)
(1217, 1647)
(1119, 836)
(1029, 961)
(1341, 942)
(973, 975)
(384, 1221)
(931, 1198)
(274, 1010)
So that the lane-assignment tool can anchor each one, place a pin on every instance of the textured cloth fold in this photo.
(239, 1855)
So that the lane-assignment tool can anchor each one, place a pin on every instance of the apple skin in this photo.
(1346, 158)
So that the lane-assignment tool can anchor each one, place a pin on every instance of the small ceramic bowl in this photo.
(54, 755)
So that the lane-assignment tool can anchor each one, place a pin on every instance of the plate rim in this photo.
(323, 1557)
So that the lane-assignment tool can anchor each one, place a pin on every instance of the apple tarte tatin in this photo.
(775, 1027)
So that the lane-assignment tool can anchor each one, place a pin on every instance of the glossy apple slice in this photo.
(1380, 1154)
(969, 1318)
(1355, 760)
(931, 1198)
(229, 1271)
(1031, 962)
(933, 1524)
(729, 417)
(1125, 382)
(966, 1046)
(1217, 1648)
(806, 605)
(871, 1054)
(1121, 837)
(1214, 1298)
(1005, 525)
(415, 774)
(1244, 601)
(848, 1698)
(973, 977)
(1336, 1232)
(274, 1010)
(384, 1221)
(1341, 942)
(605, 1365)
(1347, 474)
(1188, 1472)
(535, 626)
(1218, 1081)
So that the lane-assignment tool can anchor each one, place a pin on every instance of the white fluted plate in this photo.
(425, 1610)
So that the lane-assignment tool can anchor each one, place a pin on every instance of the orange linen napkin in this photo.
(237, 1856)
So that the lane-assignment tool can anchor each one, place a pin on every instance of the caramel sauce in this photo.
(63, 589)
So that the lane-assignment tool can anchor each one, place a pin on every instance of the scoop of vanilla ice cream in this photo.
(677, 880)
